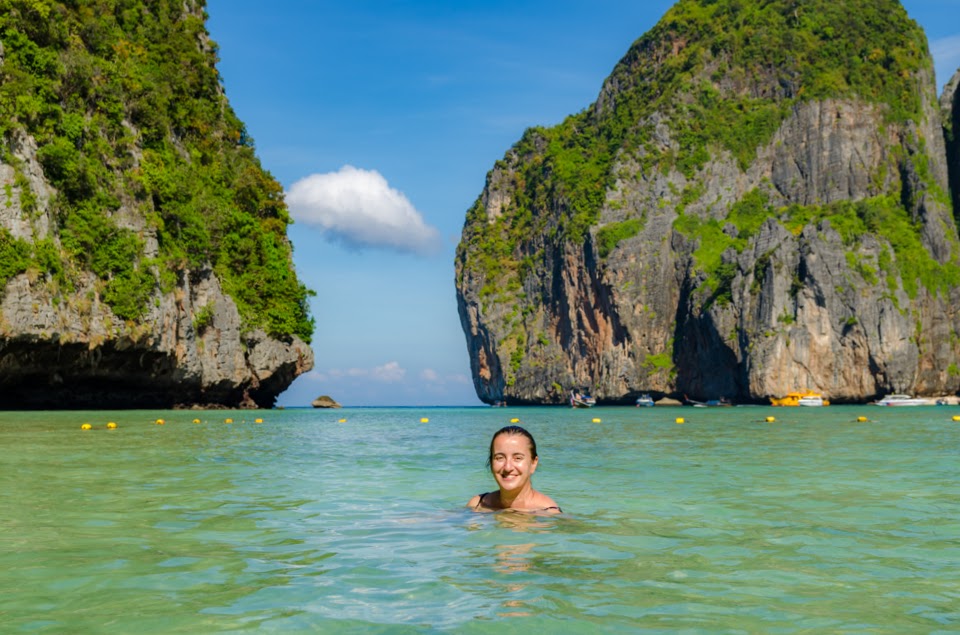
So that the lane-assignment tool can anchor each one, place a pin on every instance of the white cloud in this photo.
(946, 57)
(431, 376)
(391, 372)
(387, 384)
(359, 208)
(946, 47)
(460, 379)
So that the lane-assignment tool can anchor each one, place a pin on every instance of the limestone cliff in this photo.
(950, 112)
(756, 203)
(143, 252)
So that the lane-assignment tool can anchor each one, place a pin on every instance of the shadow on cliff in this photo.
(707, 368)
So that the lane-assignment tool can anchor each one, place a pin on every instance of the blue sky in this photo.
(381, 120)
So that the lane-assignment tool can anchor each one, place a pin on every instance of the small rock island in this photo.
(324, 401)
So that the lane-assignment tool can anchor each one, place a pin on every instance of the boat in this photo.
(709, 403)
(903, 400)
(798, 398)
(644, 401)
(581, 399)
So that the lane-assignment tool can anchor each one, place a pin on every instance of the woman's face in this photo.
(512, 464)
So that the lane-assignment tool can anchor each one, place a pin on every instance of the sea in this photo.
(843, 519)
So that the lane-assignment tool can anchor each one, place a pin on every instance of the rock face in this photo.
(950, 111)
(727, 221)
(325, 401)
(78, 354)
(147, 321)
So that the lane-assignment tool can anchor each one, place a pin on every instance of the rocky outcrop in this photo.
(76, 353)
(69, 338)
(823, 258)
(325, 401)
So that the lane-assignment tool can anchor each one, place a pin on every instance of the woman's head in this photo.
(513, 431)
(513, 459)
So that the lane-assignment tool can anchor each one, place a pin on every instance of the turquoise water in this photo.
(815, 523)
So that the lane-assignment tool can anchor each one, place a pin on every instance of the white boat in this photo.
(644, 400)
(903, 400)
(800, 398)
(582, 399)
(810, 400)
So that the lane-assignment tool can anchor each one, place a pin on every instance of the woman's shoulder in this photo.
(477, 501)
(547, 504)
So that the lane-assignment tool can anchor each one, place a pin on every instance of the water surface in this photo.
(303, 523)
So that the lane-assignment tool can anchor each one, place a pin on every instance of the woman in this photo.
(513, 460)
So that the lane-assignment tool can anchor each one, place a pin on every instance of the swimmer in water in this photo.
(513, 460)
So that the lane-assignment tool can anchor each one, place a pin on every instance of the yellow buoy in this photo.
(514, 420)
(196, 421)
(228, 420)
(771, 419)
(343, 421)
(956, 417)
(86, 426)
(160, 422)
(111, 426)
(258, 420)
(424, 420)
(680, 420)
(862, 419)
(596, 420)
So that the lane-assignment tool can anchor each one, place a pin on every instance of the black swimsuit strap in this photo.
(480, 504)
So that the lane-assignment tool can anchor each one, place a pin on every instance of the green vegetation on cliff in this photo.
(746, 216)
(609, 235)
(882, 216)
(125, 104)
(724, 75)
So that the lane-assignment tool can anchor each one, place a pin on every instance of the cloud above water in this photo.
(388, 373)
(386, 384)
(359, 208)
(430, 376)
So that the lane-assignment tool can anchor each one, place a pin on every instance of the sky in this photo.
(381, 120)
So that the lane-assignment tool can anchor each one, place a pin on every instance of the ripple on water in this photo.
(301, 524)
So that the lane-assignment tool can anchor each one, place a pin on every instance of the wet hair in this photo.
(512, 430)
